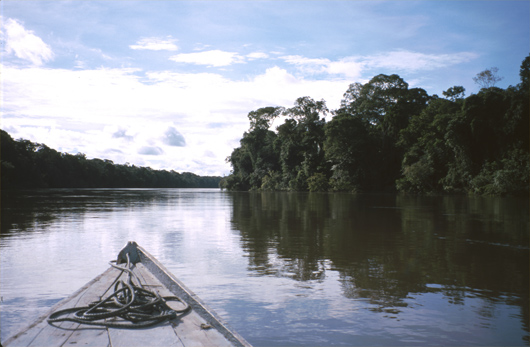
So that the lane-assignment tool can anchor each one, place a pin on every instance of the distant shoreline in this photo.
(29, 165)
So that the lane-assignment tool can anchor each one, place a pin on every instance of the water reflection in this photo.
(289, 268)
(388, 247)
(23, 210)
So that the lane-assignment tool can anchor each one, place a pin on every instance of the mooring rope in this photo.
(130, 306)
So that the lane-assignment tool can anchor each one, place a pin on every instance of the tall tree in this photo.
(347, 148)
(304, 141)
(524, 73)
(427, 154)
(262, 118)
(384, 105)
(487, 78)
(256, 157)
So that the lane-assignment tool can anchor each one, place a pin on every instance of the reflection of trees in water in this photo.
(283, 233)
(386, 247)
(27, 210)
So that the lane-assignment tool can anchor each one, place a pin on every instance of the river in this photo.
(288, 269)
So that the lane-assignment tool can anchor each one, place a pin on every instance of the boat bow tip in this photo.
(131, 249)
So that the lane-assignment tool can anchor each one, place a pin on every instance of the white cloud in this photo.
(24, 44)
(90, 95)
(353, 67)
(275, 76)
(414, 61)
(156, 44)
(210, 58)
(307, 65)
(348, 67)
(200, 46)
(299, 60)
(257, 55)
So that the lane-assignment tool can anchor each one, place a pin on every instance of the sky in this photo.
(169, 84)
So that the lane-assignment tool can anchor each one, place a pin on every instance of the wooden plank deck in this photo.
(41, 333)
(198, 327)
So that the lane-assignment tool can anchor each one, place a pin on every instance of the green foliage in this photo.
(318, 183)
(299, 183)
(418, 176)
(31, 165)
(347, 141)
(341, 181)
(524, 73)
(385, 106)
(427, 151)
(387, 136)
(257, 154)
(272, 181)
(455, 93)
(510, 176)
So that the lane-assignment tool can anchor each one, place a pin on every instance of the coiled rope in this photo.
(130, 306)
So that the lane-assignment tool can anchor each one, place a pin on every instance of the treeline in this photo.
(386, 136)
(32, 165)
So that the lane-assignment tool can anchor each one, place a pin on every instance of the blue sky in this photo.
(168, 84)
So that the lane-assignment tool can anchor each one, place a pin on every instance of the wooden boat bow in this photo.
(192, 322)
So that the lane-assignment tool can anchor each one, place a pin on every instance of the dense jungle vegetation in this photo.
(32, 165)
(386, 136)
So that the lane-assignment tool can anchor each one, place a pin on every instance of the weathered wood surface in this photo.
(207, 314)
(199, 327)
(41, 333)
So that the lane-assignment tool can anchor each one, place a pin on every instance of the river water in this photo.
(288, 268)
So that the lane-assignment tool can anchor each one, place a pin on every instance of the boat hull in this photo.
(199, 326)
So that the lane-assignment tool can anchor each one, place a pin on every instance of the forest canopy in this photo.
(26, 164)
(386, 136)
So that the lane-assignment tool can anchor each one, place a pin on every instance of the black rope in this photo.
(130, 306)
